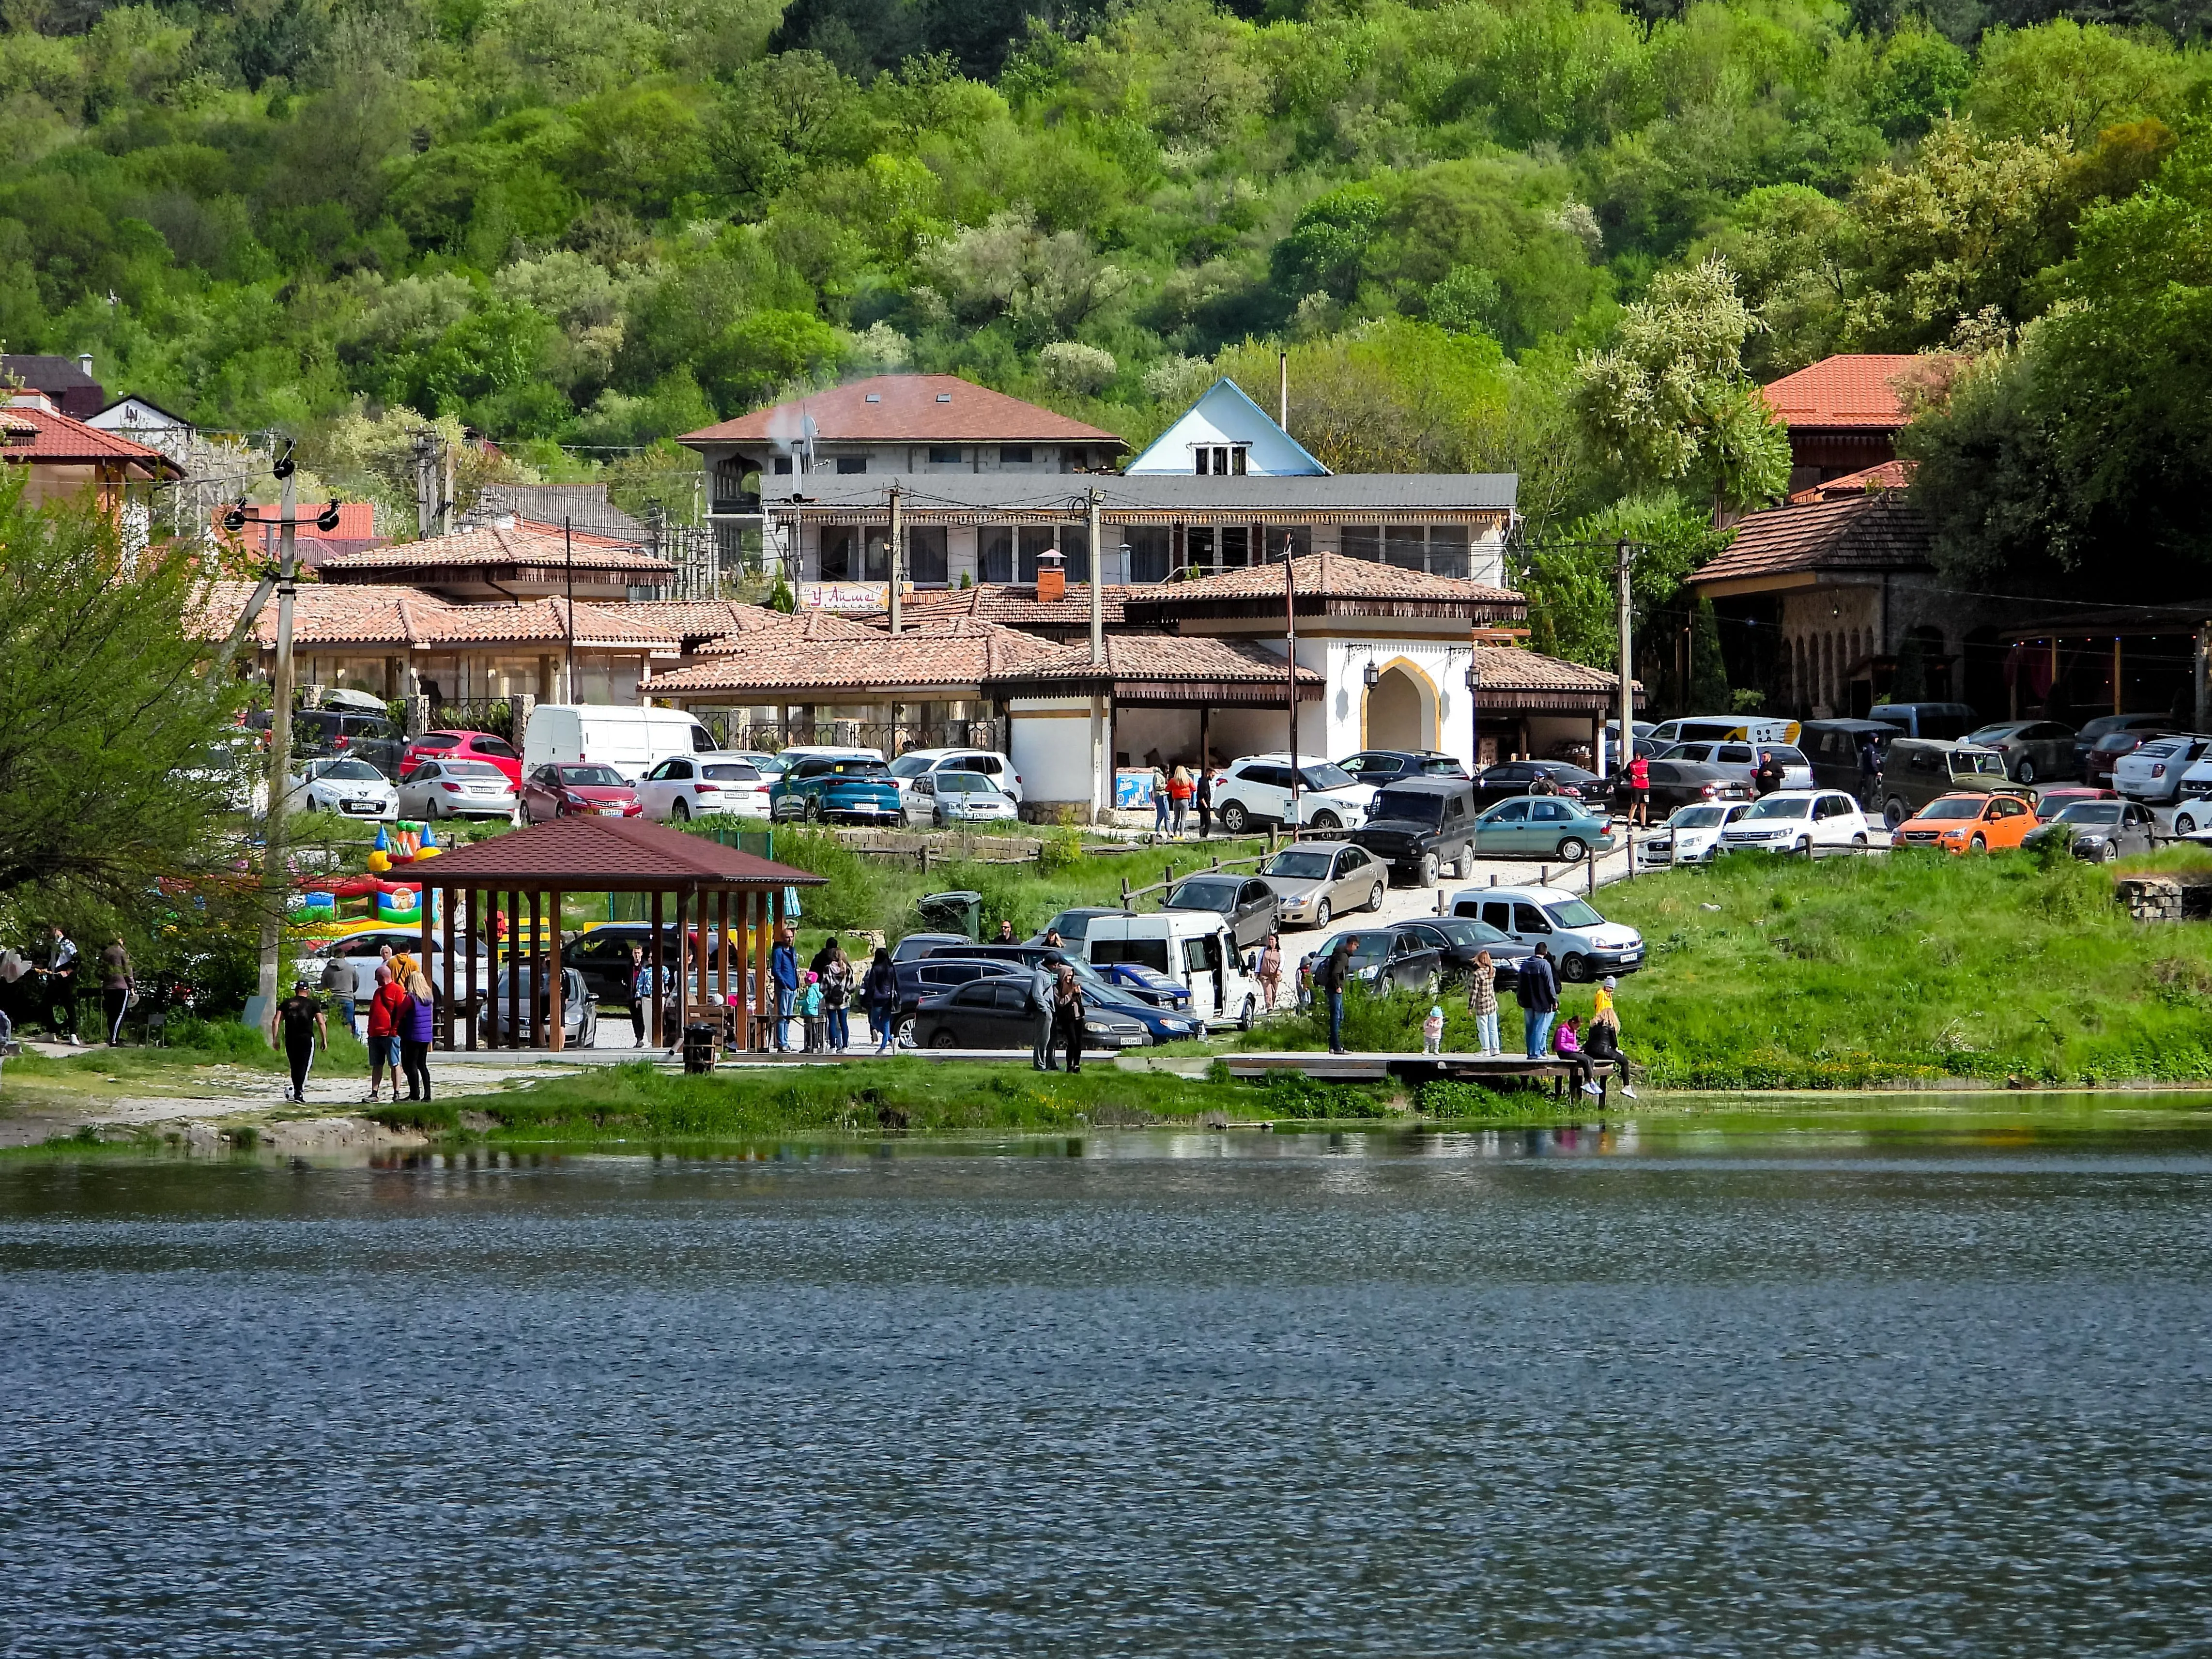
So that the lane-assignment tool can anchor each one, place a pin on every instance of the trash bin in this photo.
(699, 1047)
(951, 913)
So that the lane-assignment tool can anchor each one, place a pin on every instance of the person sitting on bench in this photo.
(1568, 1046)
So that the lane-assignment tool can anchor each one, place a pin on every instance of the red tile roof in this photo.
(356, 522)
(909, 408)
(799, 629)
(1889, 475)
(520, 544)
(1165, 658)
(693, 621)
(1879, 531)
(1330, 577)
(32, 429)
(400, 618)
(572, 854)
(1852, 390)
(815, 656)
(1017, 605)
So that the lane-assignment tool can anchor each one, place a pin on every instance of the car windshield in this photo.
(1951, 811)
(468, 768)
(910, 765)
(1326, 777)
(1297, 866)
(1465, 931)
(1204, 896)
(1780, 806)
(1697, 817)
(1419, 805)
(2091, 811)
(732, 772)
(2160, 749)
(963, 783)
(1573, 913)
(1972, 766)
(1371, 946)
(591, 777)
(349, 770)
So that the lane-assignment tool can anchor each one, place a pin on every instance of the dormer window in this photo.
(1222, 459)
(875, 397)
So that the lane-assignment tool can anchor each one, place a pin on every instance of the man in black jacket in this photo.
(1538, 988)
(1335, 970)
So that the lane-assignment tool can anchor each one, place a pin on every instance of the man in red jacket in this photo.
(384, 1031)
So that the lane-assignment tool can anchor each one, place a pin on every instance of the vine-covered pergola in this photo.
(700, 889)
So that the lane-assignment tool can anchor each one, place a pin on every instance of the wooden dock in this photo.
(1411, 1067)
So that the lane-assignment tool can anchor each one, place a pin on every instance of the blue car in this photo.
(830, 788)
(1146, 984)
(1164, 1024)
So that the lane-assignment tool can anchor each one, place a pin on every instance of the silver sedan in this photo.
(1316, 880)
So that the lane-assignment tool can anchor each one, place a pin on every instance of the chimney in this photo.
(84, 364)
(1052, 576)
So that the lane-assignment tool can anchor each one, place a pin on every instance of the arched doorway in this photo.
(1401, 711)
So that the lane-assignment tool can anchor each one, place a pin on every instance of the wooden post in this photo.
(683, 966)
(652, 1026)
(722, 953)
(513, 970)
(763, 992)
(557, 1037)
(1125, 892)
(537, 1038)
(471, 923)
(450, 898)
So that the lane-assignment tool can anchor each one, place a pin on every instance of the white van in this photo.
(1584, 945)
(631, 740)
(1194, 948)
(1720, 728)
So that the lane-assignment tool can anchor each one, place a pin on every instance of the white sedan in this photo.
(352, 788)
(457, 789)
(1693, 836)
(684, 786)
(1807, 821)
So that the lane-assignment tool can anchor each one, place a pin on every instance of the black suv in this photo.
(1420, 824)
(320, 731)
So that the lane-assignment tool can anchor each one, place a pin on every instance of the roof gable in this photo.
(1854, 390)
(571, 853)
(906, 408)
(1224, 414)
(1874, 530)
(32, 429)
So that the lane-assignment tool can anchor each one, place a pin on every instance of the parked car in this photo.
(351, 788)
(2032, 748)
(2154, 772)
(917, 946)
(1000, 1013)
(439, 787)
(1719, 728)
(1918, 771)
(1072, 924)
(1460, 940)
(1257, 790)
(2049, 802)
(1387, 766)
(1317, 880)
(1148, 985)
(1246, 903)
(770, 767)
(824, 788)
(631, 740)
(2194, 812)
(2092, 733)
(952, 797)
(362, 951)
(1950, 720)
(2099, 830)
(1585, 944)
(683, 786)
(991, 763)
(486, 746)
(1970, 822)
(1683, 783)
(1740, 760)
(601, 954)
(1542, 826)
(1831, 748)
(521, 1000)
(1391, 961)
(1691, 835)
(1164, 1022)
(1193, 949)
(1022, 956)
(1807, 821)
(1420, 825)
(585, 790)
(1510, 778)
(919, 980)
(339, 731)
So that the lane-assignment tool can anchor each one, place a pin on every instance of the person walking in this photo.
(115, 988)
(1639, 792)
(418, 1023)
(836, 997)
(60, 975)
(1329, 979)
(297, 1025)
(1159, 801)
(639, 991)
(783, 973)
(1538, 988)
(1768, 778)
(881, 990)
(1482, 1002)
(1044, 985)
(1568, 1046)
(338, 990)
(1603, 1041)
(1180, 790)
(1067, 1016)
(1871, 773)
(384, 1008)
(1202, 795)
(1271, 969)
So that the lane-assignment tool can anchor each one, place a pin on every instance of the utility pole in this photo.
(1283, 390)
(568, 622)
(1626, 747)
(1102, 790)
(1291, 637)
(446, 516)
(898, 535)
(275, 878)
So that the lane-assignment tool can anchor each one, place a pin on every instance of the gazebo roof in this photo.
(587, 854)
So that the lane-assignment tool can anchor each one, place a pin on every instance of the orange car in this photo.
(1969, 823)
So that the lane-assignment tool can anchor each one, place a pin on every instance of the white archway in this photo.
(1402, 710)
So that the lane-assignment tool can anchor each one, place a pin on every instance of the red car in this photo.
(577, 789)
(2049, 802)
(465, 745)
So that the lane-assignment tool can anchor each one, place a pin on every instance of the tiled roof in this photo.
(1851, 391)
(47, 374)
(32, 429)
(586, 506)
(1331, 576)
(804, 659)
(520, 543)
(399, 619)
(1016, 605)
(800, 628)
(906, 408)
(1509, 668)
(1168, 657)
(572, 853)
(356, 522)
(693, 621)
(1889, 475)
(1879, 531)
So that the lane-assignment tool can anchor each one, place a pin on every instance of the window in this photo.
(852, 464)
(783, 466)
(1405, 546)
(945, 454)
(1363, 541)
(925, 558)
(977, 995)
(1355, 858)
(1148, 555)
(1547, 811)
(1447, 551)
(1267, 777)
(1013, 455)
(1034, 540)
(838, 557)
(1527, 919)
(703, 742)
(1514, 811)
(495, 748)
(1010, 994)
(995, 556)
(1151, 953)
(1499, 915)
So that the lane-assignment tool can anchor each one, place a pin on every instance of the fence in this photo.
(733, 730)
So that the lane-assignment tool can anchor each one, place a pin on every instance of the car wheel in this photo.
(1978, 844)
(1326, 820)
(813, 810)
(1234, 819)
(1894, 812)
(2184, 824)
(1429, 867)
(681, 812)
(1572, 851)
(1375, 896)
(2027, 772)
(2111, 854)
(942, 1038)
(903, 1036)
(1574, 968)
(1321, 914)
(1859, 841)
(1251, 1009)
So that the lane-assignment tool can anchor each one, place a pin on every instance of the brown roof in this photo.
(1889, 475)
(816, 658)
(1325, 582)
(693, 621)
(906, 408)
(1142, 668)
(360, 613)
(1869, 531)
(1017, 605)
(517, 545)
(36, 431)
(801, 627)
(1850, 391)
(582, 853)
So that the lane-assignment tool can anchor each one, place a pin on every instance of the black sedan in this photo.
(1381, 766)
(1692, 783)
(1000, 1013)
(1510, 778)
(1248, 904)
(1459, 940)
(1390, 961)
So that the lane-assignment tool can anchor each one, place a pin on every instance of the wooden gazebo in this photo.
(692, 880)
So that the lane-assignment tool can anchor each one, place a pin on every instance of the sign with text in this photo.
(846, 595)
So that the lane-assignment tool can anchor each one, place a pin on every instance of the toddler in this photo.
(1432, 1031)
(810, 1012)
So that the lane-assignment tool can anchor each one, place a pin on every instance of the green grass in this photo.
(1777, 974)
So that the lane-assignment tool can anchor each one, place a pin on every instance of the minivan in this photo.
(1720, 728)
(1584, 945)
(1194, 948)
(1927, 719)
(631, 740)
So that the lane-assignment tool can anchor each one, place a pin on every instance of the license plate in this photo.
(609, 811)
(360, 806)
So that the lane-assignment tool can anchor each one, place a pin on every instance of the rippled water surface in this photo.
(1733, 1393)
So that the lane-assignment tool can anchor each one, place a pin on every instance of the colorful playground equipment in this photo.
(337, 901)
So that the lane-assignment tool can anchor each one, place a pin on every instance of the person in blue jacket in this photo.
(783, 969)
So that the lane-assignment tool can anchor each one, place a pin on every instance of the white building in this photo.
(1224, 432)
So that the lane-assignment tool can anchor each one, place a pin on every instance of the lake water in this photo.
(1740, 1391)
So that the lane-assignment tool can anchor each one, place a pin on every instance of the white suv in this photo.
(991, 763)
(1584, 945)
(1806, 821)
(1257, 790)
(1693, 836)
(684, 786)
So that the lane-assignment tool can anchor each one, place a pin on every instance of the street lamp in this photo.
(1474, 712)
(1372, 676)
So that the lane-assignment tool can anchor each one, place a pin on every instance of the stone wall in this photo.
(2166, 899)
